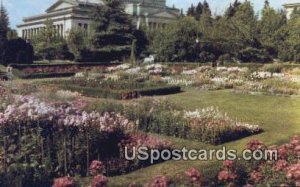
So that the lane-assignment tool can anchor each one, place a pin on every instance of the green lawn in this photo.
(278, 116)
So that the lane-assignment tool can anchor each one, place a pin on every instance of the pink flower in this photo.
(281, 165)
(96, 167)
(256, 176)
(226, 176)
(293, 172)
(64, 182)
(194, 174)
(99, 181)
(255, 145)
(228, 164)
(159, 181)
(295, 140)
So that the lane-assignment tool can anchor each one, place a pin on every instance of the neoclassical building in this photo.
(67, 14)
(290, 8)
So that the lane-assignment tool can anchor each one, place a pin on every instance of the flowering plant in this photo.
(64, 182)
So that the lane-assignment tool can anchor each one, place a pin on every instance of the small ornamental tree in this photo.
(76, 42)
(47, 43)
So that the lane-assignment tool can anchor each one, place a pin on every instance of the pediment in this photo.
(60, 5)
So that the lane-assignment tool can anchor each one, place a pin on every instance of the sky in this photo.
(17, 9)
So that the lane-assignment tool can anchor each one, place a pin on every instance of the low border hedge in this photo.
(90, 64)
(122, 94)
(45, 75)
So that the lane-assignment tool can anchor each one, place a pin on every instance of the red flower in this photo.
(99, 181)
(96, 167)
(194, 175)
(64, 182)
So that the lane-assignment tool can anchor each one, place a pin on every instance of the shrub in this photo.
(206, 57)
(116, 90)
(226, 58)
(250, 54)
(273, 68)
(17, 51)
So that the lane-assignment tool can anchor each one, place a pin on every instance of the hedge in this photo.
(122, 94)
(45, 75)
(90, 64)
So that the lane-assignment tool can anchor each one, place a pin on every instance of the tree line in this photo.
(239, 34)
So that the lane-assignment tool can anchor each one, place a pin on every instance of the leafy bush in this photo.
(273, 68)
(17, 51)
(45, 75)
(122, 94)
(115, 90)
(206, 57)
(250, 54)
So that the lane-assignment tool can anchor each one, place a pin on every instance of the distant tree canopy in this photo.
(238, 34)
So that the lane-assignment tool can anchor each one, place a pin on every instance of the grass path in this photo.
(278, 116)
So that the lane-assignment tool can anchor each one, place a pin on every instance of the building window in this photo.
(79, 24)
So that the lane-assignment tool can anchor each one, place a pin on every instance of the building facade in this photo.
(290, 8)
(68, 14)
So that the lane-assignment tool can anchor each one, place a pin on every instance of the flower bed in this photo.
(285, 171)
(273, 86)
(208, 125)
(53, 139)
(56, 70)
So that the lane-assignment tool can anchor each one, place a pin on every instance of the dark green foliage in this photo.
(273, 68)
(45, 75)
(37, 151)
(76, 42)
(48, 45)
(254, 55)
(112, 32)
(17, 51)
(230, 12)
(4, 23)
(116, 90)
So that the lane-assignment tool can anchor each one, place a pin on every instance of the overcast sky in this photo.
(18, 9)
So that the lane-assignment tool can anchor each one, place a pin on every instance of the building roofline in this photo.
(291, 5)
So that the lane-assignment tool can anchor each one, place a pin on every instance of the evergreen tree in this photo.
(4, 23)
(244, 23)
(198, 11)
(112, 31)
(181, 13)
(269, 25)
(267, 4)
(230, 12)
(191, 11)
(206, 9)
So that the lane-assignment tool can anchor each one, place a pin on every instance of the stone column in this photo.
(62, 30)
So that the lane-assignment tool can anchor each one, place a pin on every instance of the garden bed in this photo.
(116, 90)
(33, 71)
